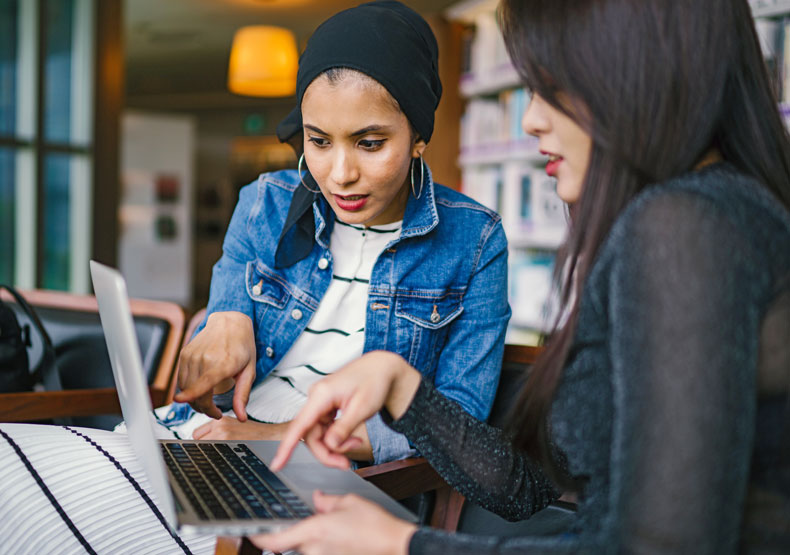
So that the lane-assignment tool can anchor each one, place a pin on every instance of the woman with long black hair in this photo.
(662, 397)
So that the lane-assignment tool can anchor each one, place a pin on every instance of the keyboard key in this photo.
(230, 482)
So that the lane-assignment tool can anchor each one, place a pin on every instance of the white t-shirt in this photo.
(335, 334)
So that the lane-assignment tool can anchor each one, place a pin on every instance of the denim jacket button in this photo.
(296, 314)
(269, 352)
(323, 264)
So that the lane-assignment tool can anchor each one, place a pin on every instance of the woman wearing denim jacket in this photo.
(437, 292)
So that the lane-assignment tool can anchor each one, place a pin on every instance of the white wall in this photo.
(155, 243)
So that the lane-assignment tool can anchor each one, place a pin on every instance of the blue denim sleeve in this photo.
(470, 362)
(228, 290)
(387, 444)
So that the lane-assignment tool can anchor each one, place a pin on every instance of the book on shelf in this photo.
(530, 288)
(769, 8)
(484, 184)
(532, 213)
(500, 170)
(774, 37)
(487, 50)
(548, 209)
(496, 123)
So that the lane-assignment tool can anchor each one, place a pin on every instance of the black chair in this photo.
(88, 397)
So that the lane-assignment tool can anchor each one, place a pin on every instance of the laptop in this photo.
(216, 487)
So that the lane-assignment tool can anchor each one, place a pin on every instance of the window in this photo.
(46, 142)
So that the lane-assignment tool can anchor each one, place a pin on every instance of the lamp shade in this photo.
(263, 61)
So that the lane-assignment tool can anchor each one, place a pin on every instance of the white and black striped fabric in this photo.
(335, 334)
(79, 490)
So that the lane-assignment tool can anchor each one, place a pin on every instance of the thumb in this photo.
(241, 395)
(344, 425)
(325, 503)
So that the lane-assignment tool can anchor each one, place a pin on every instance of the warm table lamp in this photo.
(263, 61)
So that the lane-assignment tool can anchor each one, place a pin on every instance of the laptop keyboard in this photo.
(225, 482)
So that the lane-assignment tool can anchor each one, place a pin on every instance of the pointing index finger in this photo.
(310, 416)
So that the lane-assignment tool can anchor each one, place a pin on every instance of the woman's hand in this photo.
(223, 352)
(357, 391)
(345, 525)
(228, 427)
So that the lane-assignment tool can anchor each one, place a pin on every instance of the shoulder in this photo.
(715, 200)
(462, 216)
(708, 225)
(450, 199)
(271, 191)
(279, 182)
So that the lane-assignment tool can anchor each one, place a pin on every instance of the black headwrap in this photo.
(390, 43)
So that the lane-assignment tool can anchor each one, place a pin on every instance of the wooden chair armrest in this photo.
(402, 479)
(44, 405)
(235, 546)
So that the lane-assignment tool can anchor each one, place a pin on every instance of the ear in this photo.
(418, 148)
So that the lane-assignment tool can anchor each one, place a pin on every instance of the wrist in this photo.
(228, 318)
(402, 538)
(403, 387)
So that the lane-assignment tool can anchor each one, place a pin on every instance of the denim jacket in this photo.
(437, 294)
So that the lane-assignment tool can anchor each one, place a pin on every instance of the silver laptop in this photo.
(217, 487)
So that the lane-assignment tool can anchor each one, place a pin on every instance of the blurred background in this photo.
(127, 128)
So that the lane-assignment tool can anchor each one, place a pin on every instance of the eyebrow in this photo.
(363, 131)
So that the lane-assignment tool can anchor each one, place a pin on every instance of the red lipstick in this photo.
(553, 164)
(551, 167)
(351, 203)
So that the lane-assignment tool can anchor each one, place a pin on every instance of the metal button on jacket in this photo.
(323, 264)
(269, 352)
(296, 314)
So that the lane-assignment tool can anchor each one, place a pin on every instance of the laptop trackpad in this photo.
(305, 474)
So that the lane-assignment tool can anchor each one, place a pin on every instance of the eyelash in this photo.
(367, 144)
(320, 142)
(372, 144)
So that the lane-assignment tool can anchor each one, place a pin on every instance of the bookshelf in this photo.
(502, 168)
(769, 8)
(772, 20)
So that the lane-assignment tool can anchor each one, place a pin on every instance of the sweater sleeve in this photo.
(476, 459)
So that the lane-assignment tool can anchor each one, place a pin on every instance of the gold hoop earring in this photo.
(299, 169)
(422, 177)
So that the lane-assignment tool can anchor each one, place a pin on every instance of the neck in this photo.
(711, 156)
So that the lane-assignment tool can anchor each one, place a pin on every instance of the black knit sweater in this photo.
(673, 410)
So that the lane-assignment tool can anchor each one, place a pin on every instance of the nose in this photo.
(344, 170)
(534, 121)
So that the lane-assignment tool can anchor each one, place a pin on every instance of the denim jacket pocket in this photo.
(429, 311)
(422, 323)
(264, 287)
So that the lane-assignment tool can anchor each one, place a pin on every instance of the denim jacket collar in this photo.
(421, 216)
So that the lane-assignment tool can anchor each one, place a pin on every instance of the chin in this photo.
(568, 194)
(355, 218)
